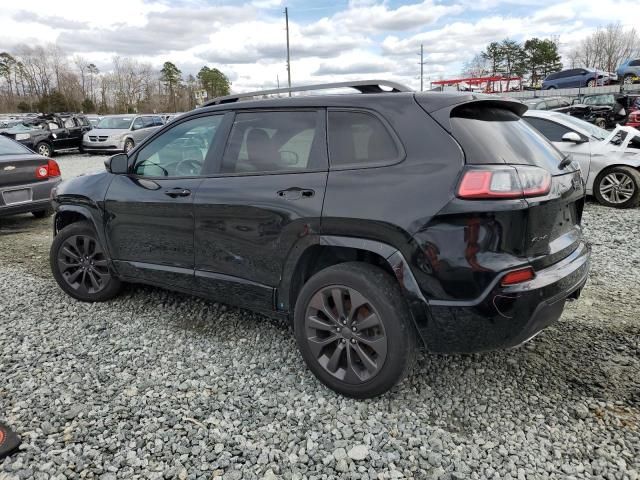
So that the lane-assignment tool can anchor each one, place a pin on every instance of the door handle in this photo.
(295, 193)
(177, 192)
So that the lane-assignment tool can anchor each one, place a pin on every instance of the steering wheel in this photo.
(188, 168)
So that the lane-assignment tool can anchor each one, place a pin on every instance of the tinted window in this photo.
(359, 139)
(180, 151)
(551, 130)
(553, 76)
(157, 121)
(9, 147)
(496, 135)
(634, 63)
(274, 142)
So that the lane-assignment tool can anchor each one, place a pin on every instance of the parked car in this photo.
(609, 161)
(48, 134)
(578, 78)
(629, 71)
(605, 110)
(120, 133)
(26, 180)
(547, 103)
(357, 216)
(634, 119)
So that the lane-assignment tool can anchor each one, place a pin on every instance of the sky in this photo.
(330, 40)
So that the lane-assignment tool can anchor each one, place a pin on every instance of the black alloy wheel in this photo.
(80, 266)
(354, 329)
(345, 334)
(83, 264)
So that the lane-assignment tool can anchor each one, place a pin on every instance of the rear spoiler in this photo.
(441, 105)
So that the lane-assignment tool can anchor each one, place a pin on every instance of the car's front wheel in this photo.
(128, 145)
(618, 187)
(628, 79)
(80, 266)
(591, 83)
(354, 329)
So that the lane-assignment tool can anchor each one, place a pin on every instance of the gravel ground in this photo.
(161, 385)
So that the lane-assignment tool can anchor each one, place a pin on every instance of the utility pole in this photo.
(421, 67)
(286, 18)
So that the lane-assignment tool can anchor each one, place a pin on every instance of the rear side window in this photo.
(490, 134)
(271, 141)
(634, 63)
(359, 139)
(551, 130)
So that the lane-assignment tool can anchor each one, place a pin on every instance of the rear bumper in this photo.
(506, 316)
(40, 193)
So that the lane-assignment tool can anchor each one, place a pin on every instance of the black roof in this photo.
(430, 101)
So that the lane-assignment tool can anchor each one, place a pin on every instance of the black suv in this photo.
(376, 222)
(47, 134)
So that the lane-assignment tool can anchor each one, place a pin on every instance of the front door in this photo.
(149, 213)
(266, 197)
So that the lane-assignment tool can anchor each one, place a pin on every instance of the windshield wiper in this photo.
(566, 161)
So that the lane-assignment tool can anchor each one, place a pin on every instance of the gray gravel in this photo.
(161, 385)
(74, 164)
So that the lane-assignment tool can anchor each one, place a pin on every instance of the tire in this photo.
(628, 79)
(600, 122)
(42, 213)
(591, 83)
(327, 342)
(128, 145)
(44, 149)
(604, 187)
(91, 280)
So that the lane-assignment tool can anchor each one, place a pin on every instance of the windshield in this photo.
(121, 123)
(9, 147)
(596, 132)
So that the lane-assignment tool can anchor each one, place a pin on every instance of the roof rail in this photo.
(363, 86)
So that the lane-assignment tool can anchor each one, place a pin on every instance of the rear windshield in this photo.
(496, 135)
(9, 147)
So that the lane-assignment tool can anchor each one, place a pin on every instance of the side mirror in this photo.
(572, 137)
(117, 164)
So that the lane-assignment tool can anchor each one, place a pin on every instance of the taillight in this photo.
(51, 169)
(518, 276)
(504, 182)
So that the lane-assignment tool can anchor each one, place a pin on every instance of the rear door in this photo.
(149, 212)
(264, 197)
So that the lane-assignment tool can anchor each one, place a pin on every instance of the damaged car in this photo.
(609, 161)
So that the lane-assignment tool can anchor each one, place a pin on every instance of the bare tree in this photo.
(606, 48)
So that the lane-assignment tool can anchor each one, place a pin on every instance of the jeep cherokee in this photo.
(376, 222)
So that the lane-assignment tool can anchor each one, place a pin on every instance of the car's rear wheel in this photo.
(80, 266)
(618, 187)
(128, 145)
(591, 83)
(44, 149)
(628, 79)
(354, 329)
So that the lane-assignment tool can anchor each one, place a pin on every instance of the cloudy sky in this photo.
(330, 39)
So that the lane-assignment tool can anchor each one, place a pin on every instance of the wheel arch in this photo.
(330, 250)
